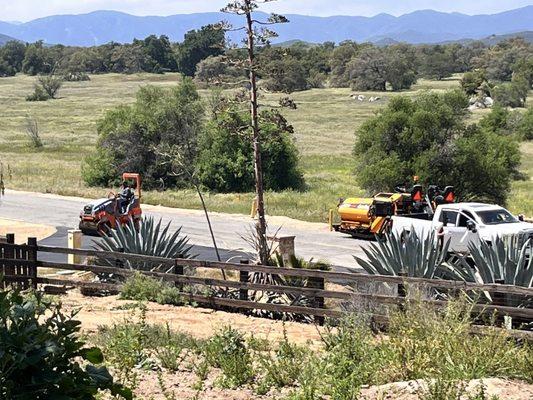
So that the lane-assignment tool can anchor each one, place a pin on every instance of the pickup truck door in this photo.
(459, 234)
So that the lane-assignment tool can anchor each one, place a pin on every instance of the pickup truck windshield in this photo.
(494, 217)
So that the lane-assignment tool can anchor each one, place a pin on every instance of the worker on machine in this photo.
(125, 197)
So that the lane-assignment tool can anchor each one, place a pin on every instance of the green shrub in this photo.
(134, 137)
(430, 342)
(351, 358)
(133, 343)
(41, 353)
(443, 389)
(225, 161)
(227, 350)
(174, 349)
(472, 82)
(429, 137)
(144, 288)
(283, 366)
(50, 84)
(524, 129)
(99, 169)
(511, 94)
(38, 95)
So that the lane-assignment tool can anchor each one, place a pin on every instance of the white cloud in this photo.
(25, 10)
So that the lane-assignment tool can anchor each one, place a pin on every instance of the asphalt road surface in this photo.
(313, 240)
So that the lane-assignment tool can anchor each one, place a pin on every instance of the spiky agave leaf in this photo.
(413, 255)
(149, 240)
(504, 259)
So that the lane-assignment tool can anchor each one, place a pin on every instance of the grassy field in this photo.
(325, 124)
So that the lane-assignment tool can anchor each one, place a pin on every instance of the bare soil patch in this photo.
(24, 230)
(503, 388)
(203, 323)
(197, 321)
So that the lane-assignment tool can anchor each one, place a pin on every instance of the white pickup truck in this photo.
(465, 223)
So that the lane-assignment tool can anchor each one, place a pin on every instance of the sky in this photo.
(26, 10)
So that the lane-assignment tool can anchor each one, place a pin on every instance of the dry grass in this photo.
(325, 123)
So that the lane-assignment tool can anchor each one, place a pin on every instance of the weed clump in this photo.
(429, 345)
(227, 350)
(140, 287)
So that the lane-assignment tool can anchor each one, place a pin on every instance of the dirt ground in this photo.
(23, 230)
(197, 321)
(181, 385)
(202, 323)
(503, 388)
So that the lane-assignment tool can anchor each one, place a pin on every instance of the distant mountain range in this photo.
(4, 39)
(425, 26)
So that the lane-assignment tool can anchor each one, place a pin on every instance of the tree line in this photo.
(152, 54)
(504, 70)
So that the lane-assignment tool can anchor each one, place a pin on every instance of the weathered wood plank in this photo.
(327, 275)
(209, 300)
(204, 281)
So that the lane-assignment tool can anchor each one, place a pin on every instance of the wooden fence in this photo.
(19, 265)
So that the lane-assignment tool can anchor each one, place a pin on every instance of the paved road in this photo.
(312, 240)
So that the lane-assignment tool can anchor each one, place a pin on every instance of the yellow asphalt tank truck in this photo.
(365, 218)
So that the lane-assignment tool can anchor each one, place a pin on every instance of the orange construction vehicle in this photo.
(101, 215)
(366, 217)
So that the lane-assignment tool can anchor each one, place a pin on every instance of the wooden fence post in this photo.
(502, 299)
(118, 261)
(178, 270)
(74, 242)
(32, 256)
(402, 290)
(318, 302)
(243, 278)
(9, 253)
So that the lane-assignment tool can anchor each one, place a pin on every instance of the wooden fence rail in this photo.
(330, 276)
(19, 265)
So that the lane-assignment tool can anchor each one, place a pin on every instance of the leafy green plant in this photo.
(225, 159)
(41, 355)
(38, 95)
(351, 359)
(144, 288)
(283, 366)
(442, 389)
(227, 350)
(125, 346)
(427, 342)
(174, 349)
(46, 88)
(149, 238)
(159, 119)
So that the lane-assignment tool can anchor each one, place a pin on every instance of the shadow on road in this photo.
(59, 239)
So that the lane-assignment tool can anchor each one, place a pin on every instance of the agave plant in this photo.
(411, 255)
(151, 239)
(504, 260)
(273, 297)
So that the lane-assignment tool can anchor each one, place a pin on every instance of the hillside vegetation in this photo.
(325, 123)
